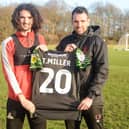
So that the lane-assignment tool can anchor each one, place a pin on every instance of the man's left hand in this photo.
(42, 47)
(85, 104)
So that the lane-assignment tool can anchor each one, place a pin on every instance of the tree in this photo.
(5, 25)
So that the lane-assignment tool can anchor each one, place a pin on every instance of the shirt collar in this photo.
(19, 34)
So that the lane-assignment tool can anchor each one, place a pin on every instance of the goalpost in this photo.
(127, 42)
(123, 43)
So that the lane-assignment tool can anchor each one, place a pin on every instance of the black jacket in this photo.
(93, 78)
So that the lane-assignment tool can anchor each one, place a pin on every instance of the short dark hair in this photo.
(80, 9)
(34, 12)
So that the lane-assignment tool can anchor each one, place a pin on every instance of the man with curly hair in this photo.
(16, 52)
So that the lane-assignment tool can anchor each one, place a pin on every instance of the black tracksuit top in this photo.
(92, 78)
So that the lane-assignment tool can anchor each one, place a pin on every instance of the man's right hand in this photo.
(70, 47)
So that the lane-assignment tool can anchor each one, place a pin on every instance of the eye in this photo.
(30, 17)
(21, 17)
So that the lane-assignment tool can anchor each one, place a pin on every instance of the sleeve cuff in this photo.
(91, 95)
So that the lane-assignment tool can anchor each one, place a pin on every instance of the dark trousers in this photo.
(16, 115)
(93, 118)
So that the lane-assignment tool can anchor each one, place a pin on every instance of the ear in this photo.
(88, 21)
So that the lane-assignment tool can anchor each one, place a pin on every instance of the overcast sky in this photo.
(122, 4)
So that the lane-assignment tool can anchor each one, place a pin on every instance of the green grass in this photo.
(116, 91)
(116, 95)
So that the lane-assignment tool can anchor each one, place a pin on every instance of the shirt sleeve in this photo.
(8, 50)
(99, 67)
(42, 40)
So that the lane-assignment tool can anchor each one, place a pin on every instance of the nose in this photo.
(26, 20)
(79, 24)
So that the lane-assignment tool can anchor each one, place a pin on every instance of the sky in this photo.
(122, 4)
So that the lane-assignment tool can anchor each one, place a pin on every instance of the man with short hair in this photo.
(92, 79)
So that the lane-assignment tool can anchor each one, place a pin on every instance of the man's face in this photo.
(80, 22)
(25, 21)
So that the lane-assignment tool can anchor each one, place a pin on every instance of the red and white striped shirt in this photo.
(18, 77)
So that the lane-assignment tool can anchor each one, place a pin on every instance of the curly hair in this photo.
(34, 12)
